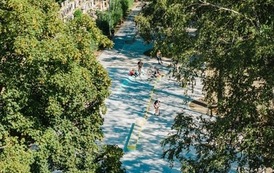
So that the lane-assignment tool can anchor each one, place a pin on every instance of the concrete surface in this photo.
(132, 100)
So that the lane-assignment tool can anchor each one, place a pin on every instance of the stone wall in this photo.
(86, 6)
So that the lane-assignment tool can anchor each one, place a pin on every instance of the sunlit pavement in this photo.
(131, 101)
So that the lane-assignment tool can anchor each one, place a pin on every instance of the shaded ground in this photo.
(198, 108)
(201, 106)
(131, 101)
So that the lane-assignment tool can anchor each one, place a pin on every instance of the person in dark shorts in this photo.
(156, 106)
(159, 57)
(140, 65)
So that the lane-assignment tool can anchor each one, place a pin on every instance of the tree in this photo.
(107, 20)
(52, 90)
(109, 160)
(60, 1)
(234, 40)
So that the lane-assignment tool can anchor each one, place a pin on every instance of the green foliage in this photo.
(102, 22)
(109, 19)
(14, 157)
(129, 3)
(109, 160)
(144, 28)
(115, 13)
(51, 89)
(125, 6)
(86, 27)
(234, 40)
(78, 13)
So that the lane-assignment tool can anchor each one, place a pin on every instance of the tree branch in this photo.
(226, 9)
(219, 7)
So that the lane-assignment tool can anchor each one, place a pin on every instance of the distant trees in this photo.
(60, 1)
(117, 11)
(234, 39)
(52, 91)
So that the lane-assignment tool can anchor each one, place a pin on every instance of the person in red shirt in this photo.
(132, 72)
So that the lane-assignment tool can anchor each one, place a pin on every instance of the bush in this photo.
(102, 22)
(77, 13)
(107, 20)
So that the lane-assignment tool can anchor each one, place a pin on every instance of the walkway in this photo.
(131, 103)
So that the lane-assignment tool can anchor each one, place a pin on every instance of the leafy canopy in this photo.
(234, 40)
(52, 90)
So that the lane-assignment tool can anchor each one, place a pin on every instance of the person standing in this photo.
(159, 57)
(140, 65)
(156, 105)
(112, 31)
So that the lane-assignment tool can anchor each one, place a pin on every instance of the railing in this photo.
(86, 6)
